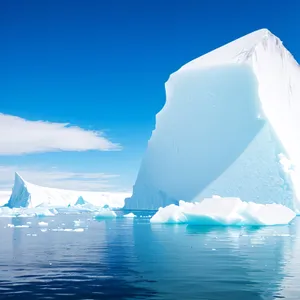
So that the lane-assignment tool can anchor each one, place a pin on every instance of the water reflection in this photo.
(59, 263)
(221, 262)
(129, 258)
(291, 266)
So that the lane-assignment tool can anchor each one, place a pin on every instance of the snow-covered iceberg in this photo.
(224, 212)
(25, 194)
(230, 126)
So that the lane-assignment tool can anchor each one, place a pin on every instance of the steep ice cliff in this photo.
(26, 194)
(230, 126)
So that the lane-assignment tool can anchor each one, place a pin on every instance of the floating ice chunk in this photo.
(130, 215)
(224, 211)
(78, 230)
(77, 223)
(43, 224)
(17, 226)
(169, 214)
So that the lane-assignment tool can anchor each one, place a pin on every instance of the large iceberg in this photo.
(218, 211)
(230, 126)
(25, 194)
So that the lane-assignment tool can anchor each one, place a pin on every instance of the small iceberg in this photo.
(130, 215)
(105, 214)
(43, 224)
(224, 212)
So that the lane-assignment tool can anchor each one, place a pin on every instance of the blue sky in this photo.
(101, 66)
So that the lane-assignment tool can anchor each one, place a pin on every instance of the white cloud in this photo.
(59, 179)
(20, 136)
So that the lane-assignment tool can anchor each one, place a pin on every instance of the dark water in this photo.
(131, 259)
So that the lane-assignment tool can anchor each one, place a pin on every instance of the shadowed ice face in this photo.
(209, 119)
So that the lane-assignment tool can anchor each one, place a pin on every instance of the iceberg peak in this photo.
(19, 178)
(246, 49)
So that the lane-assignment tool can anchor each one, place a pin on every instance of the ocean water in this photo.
(77, 257)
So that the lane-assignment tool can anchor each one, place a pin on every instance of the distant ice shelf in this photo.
(25, 194)
(219, 211)
(230, 127)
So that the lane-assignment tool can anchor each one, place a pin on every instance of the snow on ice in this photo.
(224, 211)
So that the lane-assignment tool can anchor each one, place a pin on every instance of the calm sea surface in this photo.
(77, 257)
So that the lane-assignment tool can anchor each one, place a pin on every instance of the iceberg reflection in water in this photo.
(126, 258)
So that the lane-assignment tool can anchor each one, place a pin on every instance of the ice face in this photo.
(229, 118)
(214, 143)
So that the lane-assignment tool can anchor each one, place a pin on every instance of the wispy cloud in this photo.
(58, 179)
(20, 136)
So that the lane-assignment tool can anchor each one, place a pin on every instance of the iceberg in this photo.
(218, 211)
(230, 126)
(25, 194)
